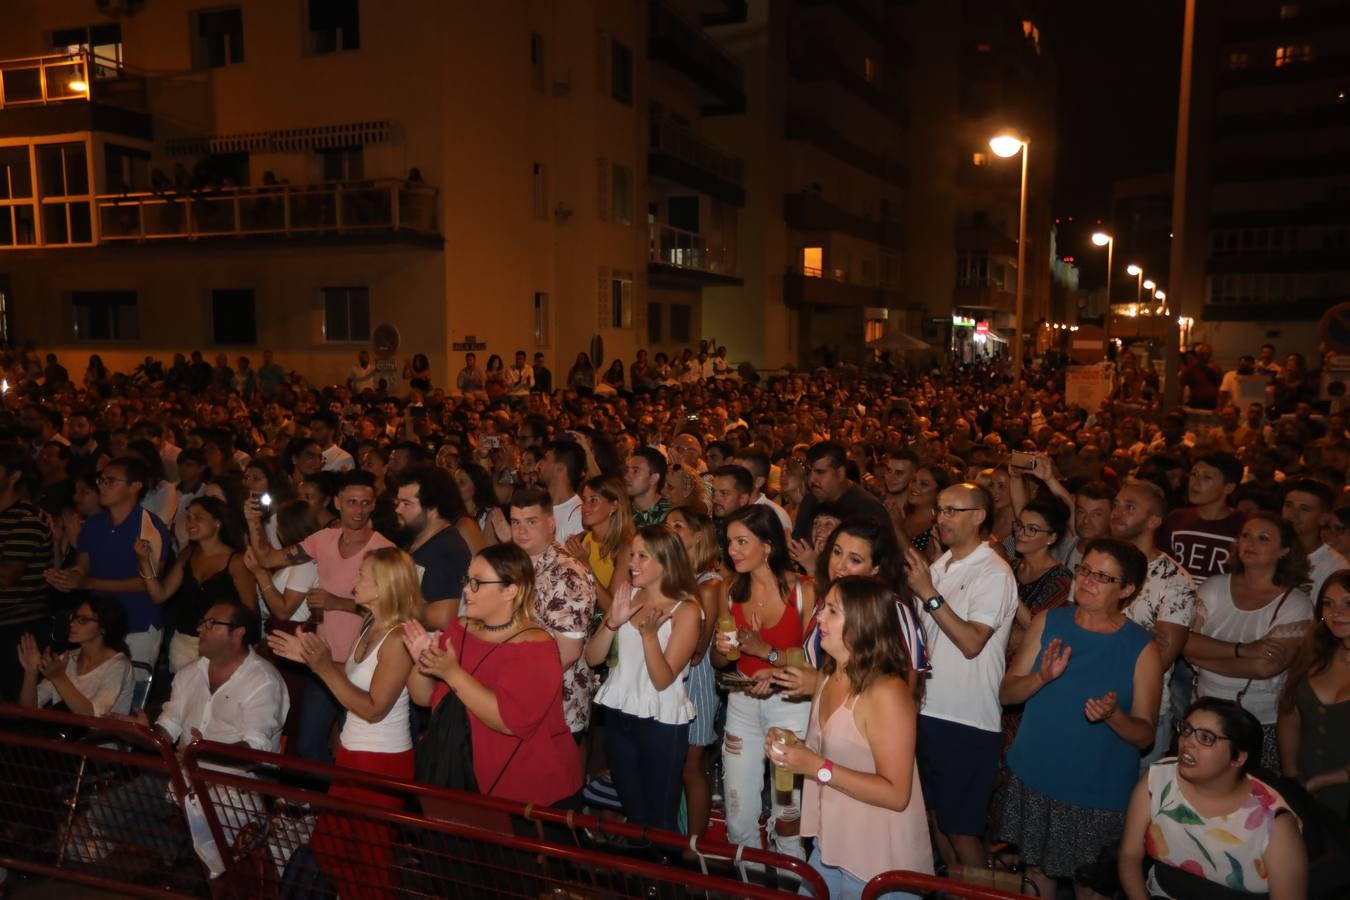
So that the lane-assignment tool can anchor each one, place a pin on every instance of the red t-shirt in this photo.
(526, 676)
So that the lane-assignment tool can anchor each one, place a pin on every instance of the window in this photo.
(540, 191)
(681, 320)
(621, 73)
(979, 159)
(869, 69)
(340, 163)
(18, 215)
(218, 38)
(334, 25)
(623, 195)
(125, 168)
(232, 317)
(813, 261)
(540, 319)
(1293, 54)
(1288, 10)
(103, 42)
(621, 300)
(346, 314)
(874, 330)
(972, 269)
(1237, 62)
(653, 323)
(889, 266)
(63, 181)
(538, 74)
(105, 315)
(869, 271)
(602, 179)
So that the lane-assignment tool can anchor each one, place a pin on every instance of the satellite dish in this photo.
(385, 339)
(597, 351)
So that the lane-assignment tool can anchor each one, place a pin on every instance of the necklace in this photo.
(502, 627)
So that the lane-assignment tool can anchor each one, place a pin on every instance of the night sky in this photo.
(1119, 68)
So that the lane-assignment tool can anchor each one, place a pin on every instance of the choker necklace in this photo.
(502, 627)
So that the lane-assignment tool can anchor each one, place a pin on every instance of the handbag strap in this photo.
(1275, 615)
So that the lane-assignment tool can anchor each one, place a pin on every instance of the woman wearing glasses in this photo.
(1091, 681)
(95, 679)
(1205, 825)
(499, 669)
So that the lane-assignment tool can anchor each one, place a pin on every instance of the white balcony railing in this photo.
(689, 250)
(338, 208)
(42, 80)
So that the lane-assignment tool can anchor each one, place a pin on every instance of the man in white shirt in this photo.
(968, 599)
(756, 462)
(1307, 507)
(562, 471)
(362, 375)
(323, 427)
(520, 377)
(230, 695)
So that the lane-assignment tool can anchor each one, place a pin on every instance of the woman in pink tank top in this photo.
(861, 798)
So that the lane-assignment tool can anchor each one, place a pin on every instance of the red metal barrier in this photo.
(84, 800)
(916, 883)
(434, 842)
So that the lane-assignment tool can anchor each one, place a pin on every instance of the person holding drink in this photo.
(861, 798)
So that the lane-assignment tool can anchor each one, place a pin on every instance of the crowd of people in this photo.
(869, 617)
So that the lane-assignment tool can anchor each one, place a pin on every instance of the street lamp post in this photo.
(1101, 238)
(1007, 146)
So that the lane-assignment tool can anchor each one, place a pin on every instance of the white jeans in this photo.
(743, 763)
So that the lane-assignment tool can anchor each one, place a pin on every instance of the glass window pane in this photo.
(54, 224)
(50, 170)
(77, 169)
(80, 230)
(16, 176)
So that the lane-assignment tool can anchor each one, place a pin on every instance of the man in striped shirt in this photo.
(25, 553)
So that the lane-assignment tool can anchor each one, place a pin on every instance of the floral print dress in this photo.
(1228, 850)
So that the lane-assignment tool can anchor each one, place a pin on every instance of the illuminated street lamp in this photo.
(1007, 146)
(1148, 284)
(1102, 239)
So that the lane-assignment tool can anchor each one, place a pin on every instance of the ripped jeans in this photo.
(743, 766)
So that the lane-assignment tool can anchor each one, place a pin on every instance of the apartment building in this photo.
(322, 176)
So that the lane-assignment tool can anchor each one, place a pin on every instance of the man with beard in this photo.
(828, 482)
(84, 450)
(424, 507)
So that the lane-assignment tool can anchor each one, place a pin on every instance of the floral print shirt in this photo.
(564, 603)
(1228, 850)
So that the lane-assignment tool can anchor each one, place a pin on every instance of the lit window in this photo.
(1293, 54)
(874, 330)
(979, 159)
(1288, 10)
(813, 262)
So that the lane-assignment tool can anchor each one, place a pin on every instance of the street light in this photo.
(1102, 239)
(1007, 146)
(1148, 284)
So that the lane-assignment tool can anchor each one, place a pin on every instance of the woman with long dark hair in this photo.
(1314, 722)
(210, 570)
(921, 507)
(95, 678)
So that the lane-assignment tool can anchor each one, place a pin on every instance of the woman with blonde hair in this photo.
(376, 737)
(607, 517)
(654, 618)
(694, 526)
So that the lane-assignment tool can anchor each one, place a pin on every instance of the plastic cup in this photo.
(727, 625)
(782, 778)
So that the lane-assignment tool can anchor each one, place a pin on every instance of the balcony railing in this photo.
(677, 140)
(351, 208)
(41, 80)
(804, 127)
(685, 47)
(682, 249)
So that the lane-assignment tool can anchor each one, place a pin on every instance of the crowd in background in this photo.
(951, 614)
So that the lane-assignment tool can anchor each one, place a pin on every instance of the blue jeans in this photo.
(319, 710)
(845, 885)
(646, 758)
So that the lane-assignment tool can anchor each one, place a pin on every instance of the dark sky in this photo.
(1119, 68)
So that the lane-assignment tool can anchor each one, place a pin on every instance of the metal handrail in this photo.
(42, 64)
(679, 141)
(683, 249)
(886, 882)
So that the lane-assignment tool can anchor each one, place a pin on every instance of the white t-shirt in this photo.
(109, 686)
(1322, 563)
(979, 588)
(1217, 617)
(567, 517)
(335, 459)
(302, 578)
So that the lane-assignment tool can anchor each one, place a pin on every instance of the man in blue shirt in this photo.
(106, 561)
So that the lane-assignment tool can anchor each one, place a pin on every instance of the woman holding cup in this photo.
(764, 602)
(861, 798)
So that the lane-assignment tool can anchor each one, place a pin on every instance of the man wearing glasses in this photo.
(1165, 605)
(106, 561)
(969, 601)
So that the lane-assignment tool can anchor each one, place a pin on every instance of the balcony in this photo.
(801, 127)
(801, 290)
(687, 50)
(364, 209)
(992, 297)
(988, 238)
(807, 212)
(813, 57)
(872, 18)
(684, 258)
(675, 154)
(65, 92)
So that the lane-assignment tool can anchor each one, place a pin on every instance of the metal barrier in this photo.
(886, 882)
(383, 837)
(87, 800)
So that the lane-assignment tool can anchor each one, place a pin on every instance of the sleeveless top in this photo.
(1324, 743)
(1228, 850)
(1054, 728)
(786, 632)
(629, 688)
(601, 565)
(194, 598)
(391, 734)
(862, 839)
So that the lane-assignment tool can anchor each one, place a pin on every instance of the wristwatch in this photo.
(934, 603)
(825, 772)
(772, 658)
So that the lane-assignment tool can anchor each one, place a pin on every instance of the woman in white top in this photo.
(376, 738)
(93, 680)
(1249, 625)
(282, 592)
(655, 619)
